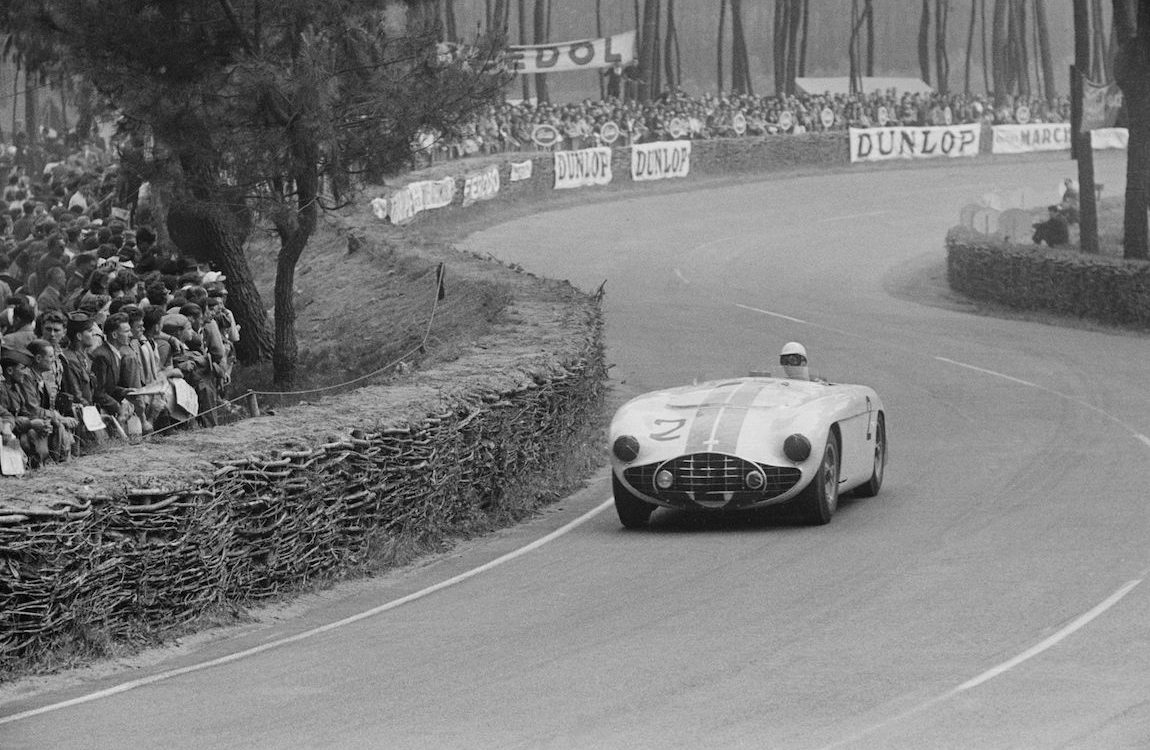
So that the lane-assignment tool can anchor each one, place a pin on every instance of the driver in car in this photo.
(793, 358)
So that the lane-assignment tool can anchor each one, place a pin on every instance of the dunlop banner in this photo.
(588, 166)
(661, 160)
(415, 197)
(1037, 136)
(881, 144)
(481, 186)
(585, 54)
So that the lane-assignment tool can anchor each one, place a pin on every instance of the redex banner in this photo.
(584, 54)
(588, 166)
(658, 161)
(881, 144)
(414, 197)
(1036, 136)
(481, 186)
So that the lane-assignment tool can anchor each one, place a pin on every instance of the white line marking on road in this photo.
(987, 372)
(851, 216)
(1074, 626)
(772, 314)
(1139, 436)
(143, 681)
(682, 278)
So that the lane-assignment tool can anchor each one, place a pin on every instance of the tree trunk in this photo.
(208, 233)
(942, 61)
(853, 50)
(1000, 51)
(649, 50)
(1021, 49)
(719, 42)
(795, 19)
(671, 61)
(525, 80)
(294, 237)
(541, 38)
(804, 36)
(868, 10)
(1045, 58)
(598, 34)
(969, 47)
(1098, 48)
(1132, 72)
(451, 31)
(1082, 151)
(986, 62)
(782, 23)
(740, 61)
(924, 42)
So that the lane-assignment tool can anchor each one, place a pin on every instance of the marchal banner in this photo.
(882, 144)
(588, 166)
(1037, 136)
(584, 54)
(481, 186)
(660, 160)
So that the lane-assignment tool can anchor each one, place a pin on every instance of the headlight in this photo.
(626, 448)
(664, 479)
(755, 480)
(797, 448)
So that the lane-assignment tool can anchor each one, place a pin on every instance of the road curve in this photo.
(993, 596)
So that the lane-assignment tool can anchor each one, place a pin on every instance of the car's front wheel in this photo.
(819, 499)
(874, 484)
(633, 512)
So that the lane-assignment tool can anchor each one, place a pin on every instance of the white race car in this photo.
(746, 443)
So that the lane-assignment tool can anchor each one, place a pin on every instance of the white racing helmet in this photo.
(793, 358)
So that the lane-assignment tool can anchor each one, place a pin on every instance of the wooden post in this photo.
(252, 403)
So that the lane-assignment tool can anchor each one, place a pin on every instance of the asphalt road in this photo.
(993, 596)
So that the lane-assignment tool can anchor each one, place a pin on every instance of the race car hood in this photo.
(748, 417)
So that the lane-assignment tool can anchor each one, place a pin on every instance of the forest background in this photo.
(896, 23)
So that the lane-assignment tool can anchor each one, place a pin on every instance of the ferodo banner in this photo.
(881, 144)
(585, 54)
(481, 186)
(661, 160)
(588, 166)
(1037, 136)
(414, 197)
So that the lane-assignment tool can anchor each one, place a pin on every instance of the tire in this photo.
(874, 484)
(819, 499)
(633, 512)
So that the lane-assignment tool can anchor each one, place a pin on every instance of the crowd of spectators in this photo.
(510, 126)
(103, 332)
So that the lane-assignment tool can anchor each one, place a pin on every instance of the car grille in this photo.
(712, 476)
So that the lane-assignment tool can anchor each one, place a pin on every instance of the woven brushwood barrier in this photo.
(1025, 277)
(261, 525)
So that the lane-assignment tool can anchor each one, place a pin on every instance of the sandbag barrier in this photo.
(115, 567)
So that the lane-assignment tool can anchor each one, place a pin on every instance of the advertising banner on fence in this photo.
(588, 166)
(481, 186)
(1109, 138)
(661, 160)
(424, 195)
(1101, 103)
(1037, 136)
(521, 170)
(881, 144)
(584, 54)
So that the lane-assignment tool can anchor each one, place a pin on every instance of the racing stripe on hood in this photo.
(720, 418)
